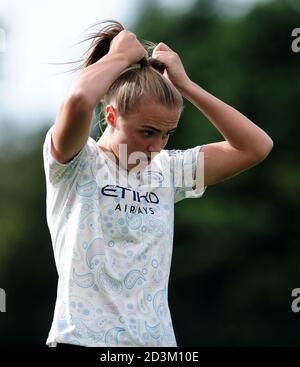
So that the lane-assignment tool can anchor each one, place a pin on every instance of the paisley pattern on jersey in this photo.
(113, 249)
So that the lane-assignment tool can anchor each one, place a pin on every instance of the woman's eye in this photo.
(151, 133)
(169, 134)
(147, 133)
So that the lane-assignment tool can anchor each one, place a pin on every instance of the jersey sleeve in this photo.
(55, 171)
(187, 167)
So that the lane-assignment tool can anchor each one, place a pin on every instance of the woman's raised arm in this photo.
(73, 122)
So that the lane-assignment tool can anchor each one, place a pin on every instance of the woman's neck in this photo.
(103, 141)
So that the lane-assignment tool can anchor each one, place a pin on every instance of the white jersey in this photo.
(113, 245)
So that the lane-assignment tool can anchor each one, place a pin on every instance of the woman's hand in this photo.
(126, 44)
(174, 69)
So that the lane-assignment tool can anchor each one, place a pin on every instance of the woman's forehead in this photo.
(156, 113)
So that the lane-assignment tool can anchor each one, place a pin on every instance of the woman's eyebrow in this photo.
(155, 129)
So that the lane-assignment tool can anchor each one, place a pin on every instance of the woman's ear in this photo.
(110, 115)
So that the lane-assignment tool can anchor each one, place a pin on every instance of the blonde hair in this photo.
(144, 79)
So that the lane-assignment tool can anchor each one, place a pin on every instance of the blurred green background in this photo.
(237, 249)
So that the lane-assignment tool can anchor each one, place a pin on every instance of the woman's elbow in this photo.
(264, 150)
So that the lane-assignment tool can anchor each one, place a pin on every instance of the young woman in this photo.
(110, 215)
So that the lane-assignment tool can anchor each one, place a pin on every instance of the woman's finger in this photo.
(160, 55)
(162, 47)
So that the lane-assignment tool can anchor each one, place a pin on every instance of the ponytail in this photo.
(102, 40)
